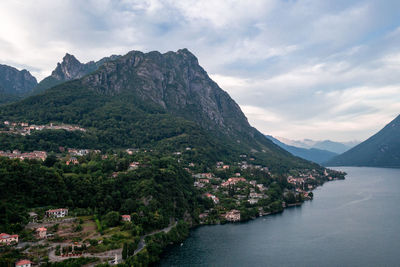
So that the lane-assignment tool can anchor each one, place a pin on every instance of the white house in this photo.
(57, 213)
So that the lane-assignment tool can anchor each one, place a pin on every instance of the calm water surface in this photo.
(354, 222)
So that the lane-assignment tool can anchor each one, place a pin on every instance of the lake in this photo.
(353, 222)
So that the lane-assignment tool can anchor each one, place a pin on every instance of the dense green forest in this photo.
(160, 188)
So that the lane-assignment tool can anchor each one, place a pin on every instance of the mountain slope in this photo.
(380, 150)
(316, 155)
(14, 84)
(69, 69)
(165, 101)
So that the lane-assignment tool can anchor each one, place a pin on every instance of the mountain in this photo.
(380, 150)
(69, 69)
(332, 146)
(162, 101)
(14, 83)
(316, 155)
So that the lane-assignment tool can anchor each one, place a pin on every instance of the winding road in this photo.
(142, 242)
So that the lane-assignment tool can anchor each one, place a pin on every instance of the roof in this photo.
(41, 229)
(22, 262)
(56, 210)
(126, 216)
(4, 236)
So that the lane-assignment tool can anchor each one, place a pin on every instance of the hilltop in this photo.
(380, 150)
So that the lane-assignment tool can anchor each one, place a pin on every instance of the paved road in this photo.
(142, 242)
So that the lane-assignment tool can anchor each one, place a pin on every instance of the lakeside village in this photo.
(233, 192)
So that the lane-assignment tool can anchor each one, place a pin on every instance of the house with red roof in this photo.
(23, 263)
(6, 239)
(126, 218)
(214, 198)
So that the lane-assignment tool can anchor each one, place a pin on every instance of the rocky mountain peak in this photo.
(16, 82)
(175, 82)
(70, 68)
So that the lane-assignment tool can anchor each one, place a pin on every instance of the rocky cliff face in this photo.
(175, 82)
(70, 68)
(15, 82)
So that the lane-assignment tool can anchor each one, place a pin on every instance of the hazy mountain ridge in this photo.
(380, 150)
(332, 146)
(313, 154)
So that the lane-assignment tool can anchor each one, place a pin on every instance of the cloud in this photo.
(299, 69)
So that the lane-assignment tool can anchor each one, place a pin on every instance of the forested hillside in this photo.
(380, 150)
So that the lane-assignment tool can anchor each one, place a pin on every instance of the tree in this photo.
(111, 219)
(125, 251)
(50, 160)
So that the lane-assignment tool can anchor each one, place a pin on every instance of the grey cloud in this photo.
(295, 67)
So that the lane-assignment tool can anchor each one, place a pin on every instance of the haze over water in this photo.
(355, 222)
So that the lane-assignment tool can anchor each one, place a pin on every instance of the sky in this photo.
(298, 69)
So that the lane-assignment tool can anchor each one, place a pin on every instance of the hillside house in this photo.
(126, 218)
(214, 198)
(23, 263)
(261, 187)
(233, 216)
(130, 151)
(41, 232)
(233, 181)
(6, 239)
(256, 195)
(57, 213)
(225, 167)
(134, 165)
(253, 201)
(73, 161)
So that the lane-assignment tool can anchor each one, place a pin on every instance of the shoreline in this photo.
(194, 227)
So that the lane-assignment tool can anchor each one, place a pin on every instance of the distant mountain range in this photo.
(313, 154)
(380, 150)
(332, 146)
